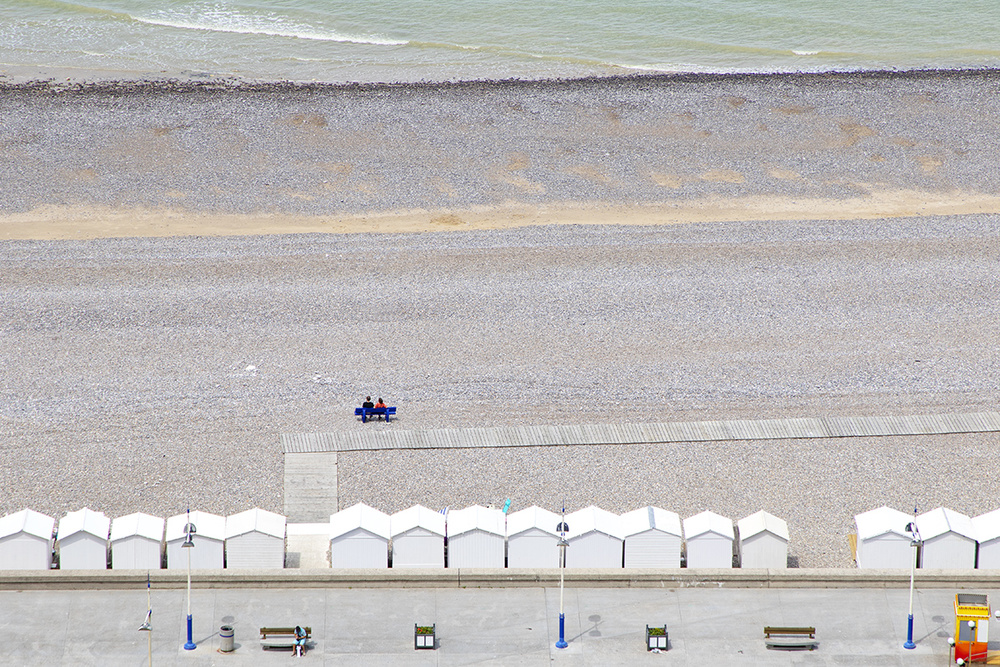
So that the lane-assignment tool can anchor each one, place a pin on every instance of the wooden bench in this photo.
(280, 637)
(368, 413)
(790, 638)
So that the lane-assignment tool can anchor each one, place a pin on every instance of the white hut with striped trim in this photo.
(882, 539)
(763, 541)
(987, 527)
(417, 538)
(949, 540)
(595, 539)
(137, 542)
(653, 538)
(532, 538)
(209, 550)
(476, 537)
(709, 538)
(255, 539)
(82, 540)
(26, 541)
(359, 537)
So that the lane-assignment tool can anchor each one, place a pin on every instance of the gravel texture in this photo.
(324, 149)
(147, 374)
(153, 374)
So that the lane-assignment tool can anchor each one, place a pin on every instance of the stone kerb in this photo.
(21, 580)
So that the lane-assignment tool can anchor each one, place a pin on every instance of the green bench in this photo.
(790, 638)
(280, 637)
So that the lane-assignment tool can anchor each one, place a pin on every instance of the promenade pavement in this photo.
(501, 626)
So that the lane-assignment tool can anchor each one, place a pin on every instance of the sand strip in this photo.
(53, 222)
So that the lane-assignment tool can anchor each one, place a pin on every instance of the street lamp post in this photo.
(968, 657)
(147, 625)
(562, 544)
(915, 542)
(972, 638)
(189, 531)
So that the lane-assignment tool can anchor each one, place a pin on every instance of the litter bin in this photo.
(226, 638)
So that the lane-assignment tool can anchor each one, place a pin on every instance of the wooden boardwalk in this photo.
(640, 434)
(311, 493)
(310, 487)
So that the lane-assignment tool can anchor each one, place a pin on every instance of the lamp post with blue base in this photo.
(189, 531)
(562, 544)
(915, 542)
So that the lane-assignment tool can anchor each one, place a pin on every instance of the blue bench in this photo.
(368, 413)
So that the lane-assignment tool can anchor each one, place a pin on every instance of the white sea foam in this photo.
(313, 39)
(247, 28)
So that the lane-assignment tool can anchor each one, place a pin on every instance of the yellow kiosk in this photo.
(972, 627)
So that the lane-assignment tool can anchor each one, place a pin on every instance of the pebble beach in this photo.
(189, 269)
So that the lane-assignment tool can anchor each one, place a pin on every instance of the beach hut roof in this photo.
(84, 520)
(532, 517)
(708, 522)
(476, 518)
(881, 521)
(987, 526)
(943, 520)
(594, 519)
(207, 525)
(256, 519)
(415, 516)
(648, 518)
(360, 516)
(27, 521)
(762, 522)
(138, 524)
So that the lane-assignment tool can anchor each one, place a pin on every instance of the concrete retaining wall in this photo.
(473, 578)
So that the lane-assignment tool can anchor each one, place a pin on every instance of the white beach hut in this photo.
(417, 538)
(255, 539)
(949, 540)
(476, 537)
(359, 537)
(595, 538)
(652, 538)
(882, 539)
(209, 538)
(763, 541)
(26, 541)
(710, 538)
(987, 527)
(82, 540)
(137, 542)
(532, 538)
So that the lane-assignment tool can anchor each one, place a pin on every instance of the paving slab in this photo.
(516, 626)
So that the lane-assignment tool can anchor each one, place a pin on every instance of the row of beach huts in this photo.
(418, 537)
(948, 539)
(482, 537)
(85, 539)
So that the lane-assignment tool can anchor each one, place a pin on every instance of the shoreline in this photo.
(52, 223)
(59, 78)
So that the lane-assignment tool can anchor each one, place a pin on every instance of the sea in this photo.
(451, 40)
